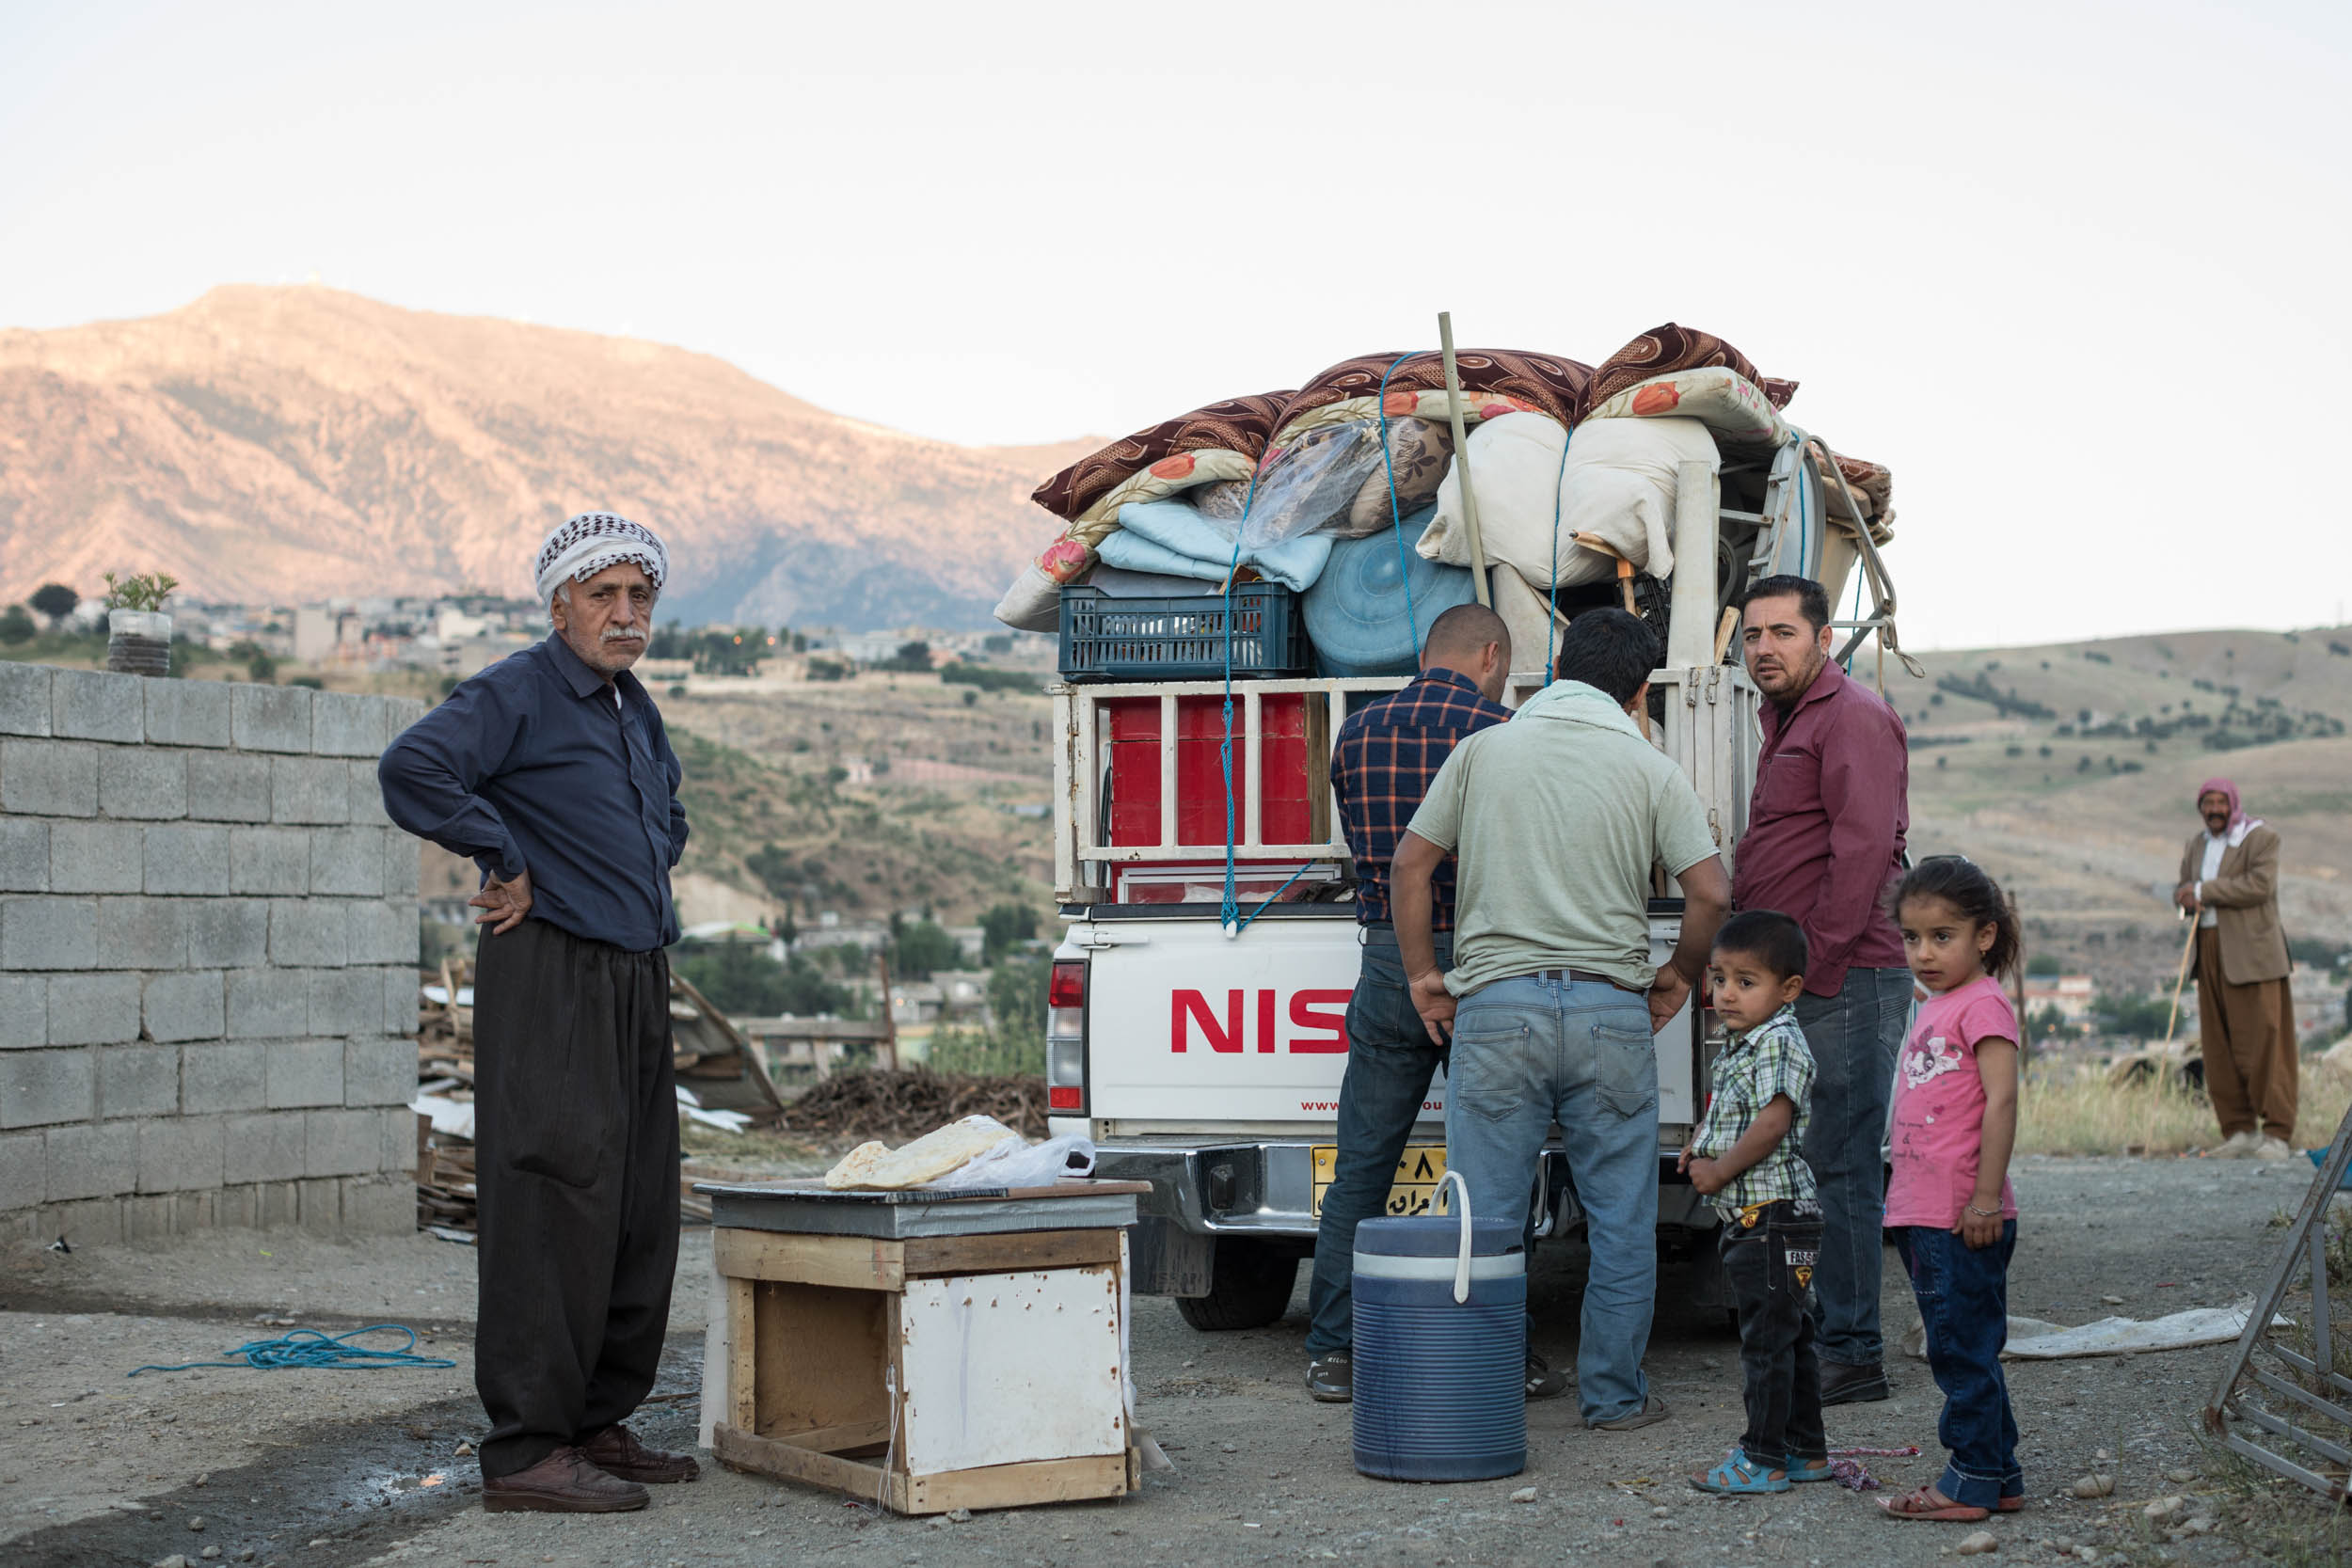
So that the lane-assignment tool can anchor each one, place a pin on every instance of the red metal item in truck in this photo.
(1285, 810)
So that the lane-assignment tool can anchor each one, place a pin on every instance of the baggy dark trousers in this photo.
(1770, 1266)
(576, 1151)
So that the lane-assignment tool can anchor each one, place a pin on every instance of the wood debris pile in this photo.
(715, 1066)
(897, 1106)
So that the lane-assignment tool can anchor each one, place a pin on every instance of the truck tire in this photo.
(1250, 1286)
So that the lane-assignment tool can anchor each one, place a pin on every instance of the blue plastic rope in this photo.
(1396, 510)
(308, 1347)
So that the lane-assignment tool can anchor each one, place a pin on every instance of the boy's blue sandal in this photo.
(1738, 1476)
(1802, 1470)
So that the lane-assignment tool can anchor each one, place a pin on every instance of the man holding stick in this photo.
(552, 770)
(2245, 1014)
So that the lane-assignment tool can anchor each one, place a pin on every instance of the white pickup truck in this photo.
(1207, 1061)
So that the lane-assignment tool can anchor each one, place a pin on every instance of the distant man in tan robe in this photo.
(2229, 882)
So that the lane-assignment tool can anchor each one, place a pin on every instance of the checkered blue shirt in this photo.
(1386, 755)
(1770, 1059)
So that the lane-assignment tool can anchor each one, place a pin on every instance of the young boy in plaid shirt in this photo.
(1745, 1158)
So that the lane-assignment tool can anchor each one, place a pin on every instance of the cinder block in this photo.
(366, 797)
(400, 1139)
(48, 933)
(24, 855)
(228, 933)
(40, 1088)
(176, 1153)
(347, 861)
(269, 861)
(266, 1147)
(143, 782)
(340, 1142)
(21, 1161)
(310, 790)
(379, 1071)
(224, 1075)
(319, 1204)
(188, 858)
(93, 1010)
(91, 1222)
(97, 704)
(228, 787)
(404, 859)
(376, 1207)
(142, 933)
(381, 933)
(400, 1000)
(188, 713)
(96, 857)
(24, 698)
(195, 1210)
(302, 1072)
(401, 712)
(346, 724)
(270, 718)
(48, 778)
(344, 1002)
(148, 1217)
(280, 1202)
(138, 1080)
(192, 1006)
(265, 1004)
(306, 934)
(240, 1207)
(93, 1160)
(23, 1010)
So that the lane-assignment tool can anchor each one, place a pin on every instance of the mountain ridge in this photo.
(295, 443)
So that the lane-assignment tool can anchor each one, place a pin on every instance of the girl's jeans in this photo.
(1963, 1303)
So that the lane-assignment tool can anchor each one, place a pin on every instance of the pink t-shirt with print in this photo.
(1939, 1107)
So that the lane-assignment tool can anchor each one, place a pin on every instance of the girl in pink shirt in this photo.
(1948, 1204)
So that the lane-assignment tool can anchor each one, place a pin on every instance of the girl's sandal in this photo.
(1927, 1503)
(1738, 1476)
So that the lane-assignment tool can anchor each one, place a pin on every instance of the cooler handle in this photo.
(1462, 1258)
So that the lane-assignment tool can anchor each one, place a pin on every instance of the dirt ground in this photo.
(317, 1468)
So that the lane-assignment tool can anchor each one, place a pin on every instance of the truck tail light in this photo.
(1065, 1036)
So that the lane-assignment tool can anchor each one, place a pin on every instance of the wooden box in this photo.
(926, 1373)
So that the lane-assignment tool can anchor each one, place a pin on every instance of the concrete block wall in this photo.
(207, 950)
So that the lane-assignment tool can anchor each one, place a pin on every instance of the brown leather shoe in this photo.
(566, 1481)
(616, 1451)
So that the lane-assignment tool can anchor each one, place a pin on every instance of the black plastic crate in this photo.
(1103, 639)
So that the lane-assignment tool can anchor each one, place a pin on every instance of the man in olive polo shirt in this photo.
(1555, 820)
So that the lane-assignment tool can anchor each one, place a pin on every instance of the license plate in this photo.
(1418, 1174)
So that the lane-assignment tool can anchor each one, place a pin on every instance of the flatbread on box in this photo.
(878, 1167)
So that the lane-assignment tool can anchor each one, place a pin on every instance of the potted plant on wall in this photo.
(138, 632)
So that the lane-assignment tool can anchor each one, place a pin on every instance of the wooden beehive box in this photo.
(980, 1368)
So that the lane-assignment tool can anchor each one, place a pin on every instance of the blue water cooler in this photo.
(1441, 1346)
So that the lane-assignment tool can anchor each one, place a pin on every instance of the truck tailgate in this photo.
(1188, 1028)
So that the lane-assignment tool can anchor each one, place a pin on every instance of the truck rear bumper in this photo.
(1264, 1191)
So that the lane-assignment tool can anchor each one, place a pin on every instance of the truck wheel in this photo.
(1249, 1286)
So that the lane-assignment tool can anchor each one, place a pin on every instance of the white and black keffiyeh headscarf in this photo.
(591, 542)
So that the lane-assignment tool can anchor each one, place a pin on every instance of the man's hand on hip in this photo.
(1435, 1003)
(1666, 996)
(505, 903)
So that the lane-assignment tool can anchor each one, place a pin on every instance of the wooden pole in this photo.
(1461, 461)
(890, 1019)
(2171, 1019)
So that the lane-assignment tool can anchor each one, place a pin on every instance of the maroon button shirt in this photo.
(1826, 826)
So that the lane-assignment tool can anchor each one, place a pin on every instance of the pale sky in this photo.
(2075, 271)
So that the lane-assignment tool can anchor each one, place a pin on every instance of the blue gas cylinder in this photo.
(1441, 1348)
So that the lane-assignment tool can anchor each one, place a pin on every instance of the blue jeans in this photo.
(1390, 1059)
(1963, 1303)
(1528, 1053)
(1854, 1037)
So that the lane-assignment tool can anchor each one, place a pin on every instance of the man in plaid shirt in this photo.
(1744, 1160)
(1386, 754)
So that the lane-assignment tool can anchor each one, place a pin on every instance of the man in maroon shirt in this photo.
(1825, 837)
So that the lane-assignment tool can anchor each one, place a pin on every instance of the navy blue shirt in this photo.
(1381, 766)
(533, 765)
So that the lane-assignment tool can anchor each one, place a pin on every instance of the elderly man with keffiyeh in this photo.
(2244, 1011)
(550, 769)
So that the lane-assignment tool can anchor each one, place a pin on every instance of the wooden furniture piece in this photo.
(926, 1350)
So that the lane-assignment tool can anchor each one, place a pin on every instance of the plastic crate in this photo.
(1103, 639)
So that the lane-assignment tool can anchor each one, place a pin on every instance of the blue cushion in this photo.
(1356, 610)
